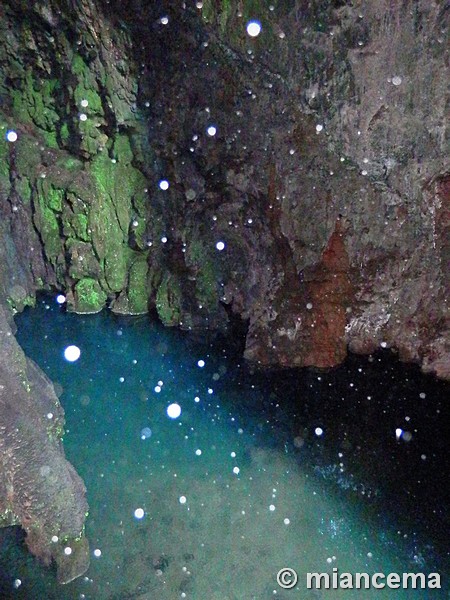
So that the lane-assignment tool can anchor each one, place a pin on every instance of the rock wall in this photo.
(326, 178)
(39, 488)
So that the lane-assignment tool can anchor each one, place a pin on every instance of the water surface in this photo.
(259, 472)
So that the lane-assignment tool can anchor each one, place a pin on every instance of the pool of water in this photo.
(297, 469)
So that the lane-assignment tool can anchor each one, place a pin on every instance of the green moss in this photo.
(75, 218)
(17, 302)
(139, 233)
(108, 214)
(86, 90)
(5, 184)
(206, 286)
(80, 224)
(122, 149)
(223, 14)
(140, 146)
(117, 185)
(89, 296)
(218, 12)
(34, 102)
(64, 132)
(23, 188)
(79, 67)
(138, 285)
(27, 156)
(8, 518)
(82, 260)
(168, 300)
(47, 223)
(50, 139)
(4, 154)
(54, 197)
(55, 431)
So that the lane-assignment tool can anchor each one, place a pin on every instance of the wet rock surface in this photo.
(39, 488)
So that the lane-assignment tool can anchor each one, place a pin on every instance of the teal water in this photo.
(240, 485)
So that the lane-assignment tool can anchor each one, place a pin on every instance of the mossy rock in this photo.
(5, 183)
(76, 225)
(23, 188)
(138, 285)
(34, 102)
(135, 299)
(116, 184)
(168, 300)
(18, 298)
(48, 225)
(82, 260)
(28, 156)
(88, 296)
(87, 90)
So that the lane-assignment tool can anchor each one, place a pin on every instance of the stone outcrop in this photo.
(39, 488)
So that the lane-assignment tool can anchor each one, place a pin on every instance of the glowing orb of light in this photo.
(72, 353)
(211, 131)
(139, 513)
(11, 136)
(163, 184)
(220, 246)
(174, 410)
(60, 298)
(253, 28)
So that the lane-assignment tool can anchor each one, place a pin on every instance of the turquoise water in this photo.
(240, 484)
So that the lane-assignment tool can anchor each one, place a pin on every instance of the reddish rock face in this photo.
(329, 287)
